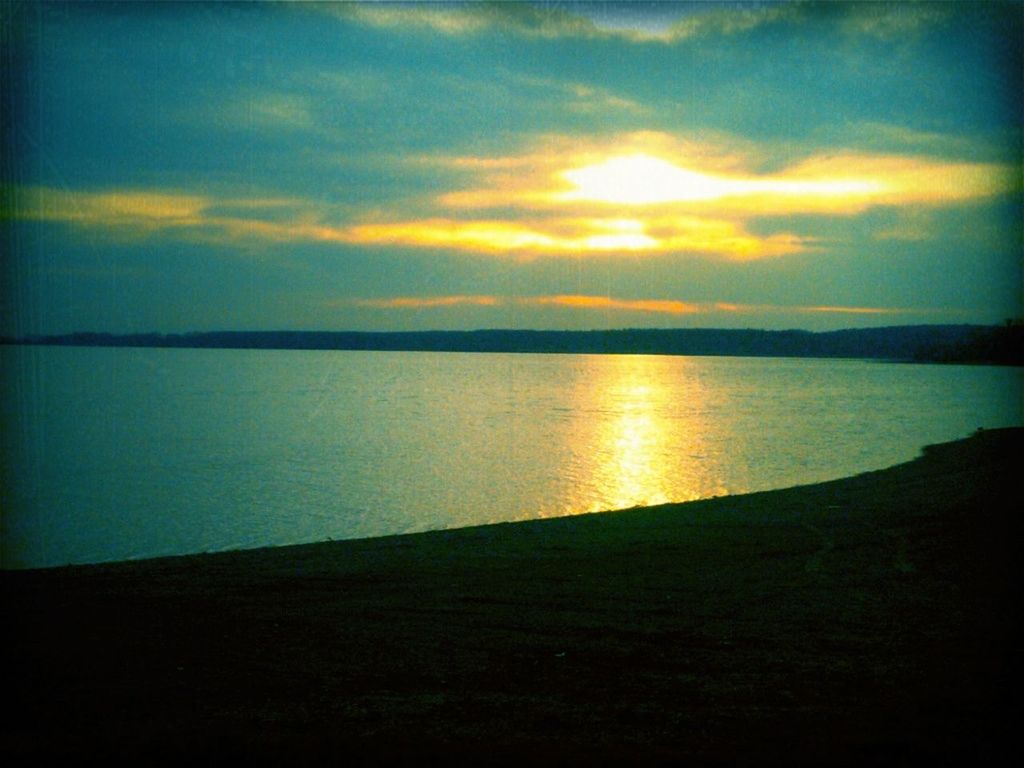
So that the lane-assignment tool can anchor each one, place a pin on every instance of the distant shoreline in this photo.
(995, 344)
(869, 617)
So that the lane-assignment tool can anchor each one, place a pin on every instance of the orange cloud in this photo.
(573, 301)
(609, 303)
(581, 236)
(569, 301)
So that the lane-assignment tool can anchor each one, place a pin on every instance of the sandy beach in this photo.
(861, 621)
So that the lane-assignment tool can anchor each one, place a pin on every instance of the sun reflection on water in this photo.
(645, 439)
(632, 447)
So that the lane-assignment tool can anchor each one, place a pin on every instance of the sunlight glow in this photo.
(640, 180)
(644, 180)
(621, 234)
(555, 236)
(638, 194)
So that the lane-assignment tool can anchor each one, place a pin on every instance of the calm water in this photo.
(121, 453)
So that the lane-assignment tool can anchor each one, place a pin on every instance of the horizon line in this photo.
(1009, 322)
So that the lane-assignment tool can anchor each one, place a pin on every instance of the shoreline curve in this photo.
(861, 619)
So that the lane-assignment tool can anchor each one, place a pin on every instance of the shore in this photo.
(860, 621)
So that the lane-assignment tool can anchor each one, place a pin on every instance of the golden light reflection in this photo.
(644, 438)
(631, 472)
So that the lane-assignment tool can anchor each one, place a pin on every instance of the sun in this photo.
(641, 179)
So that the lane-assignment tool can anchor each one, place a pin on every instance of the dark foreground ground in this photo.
(863, 621)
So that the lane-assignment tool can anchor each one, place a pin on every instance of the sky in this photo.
(561, 165)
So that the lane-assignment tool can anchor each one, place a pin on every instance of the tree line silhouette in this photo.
(998, 344)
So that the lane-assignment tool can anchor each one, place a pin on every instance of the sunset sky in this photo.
(390, 166)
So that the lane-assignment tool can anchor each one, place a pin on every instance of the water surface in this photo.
(120, 453)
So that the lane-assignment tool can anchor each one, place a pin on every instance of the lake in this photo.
(118, 453)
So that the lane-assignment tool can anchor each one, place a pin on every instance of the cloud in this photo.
(464, 18)
(651, 193)
(912, 225)
(430, 302)
(277, 110)
(608, 303)
(138, 213)
(567, 301)
(635, 194)
(580, 236)
(578, 97)
(882, 138)
(267, 220)
(852, 310)
(663, 23)
(726, 21)
(642, 23)
(885, 21)
(646, 170)
(892, 21)
(657, 306)
(137, 209)
(897, 180)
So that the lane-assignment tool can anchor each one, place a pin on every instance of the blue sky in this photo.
(393, 166)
